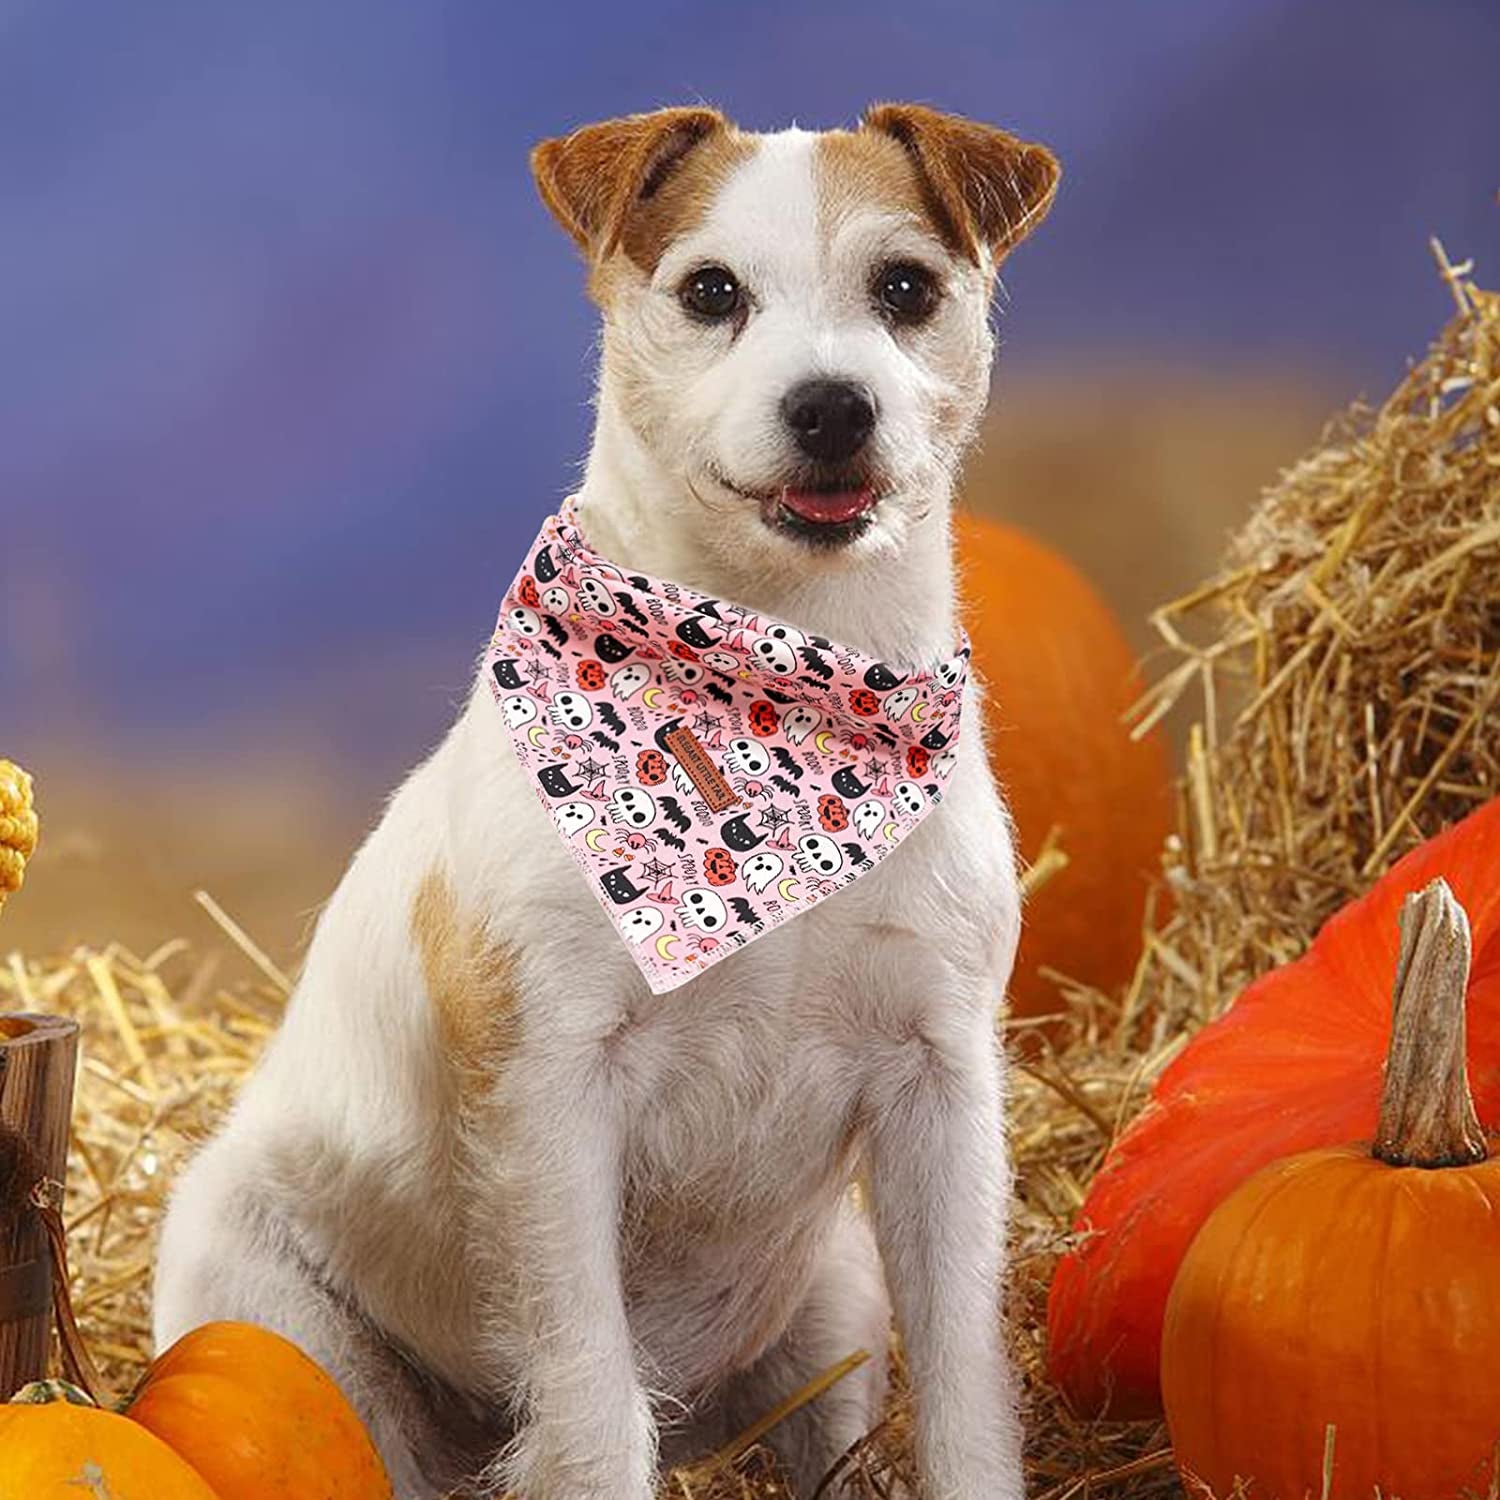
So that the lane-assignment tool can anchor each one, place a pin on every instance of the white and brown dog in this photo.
(543, 1225)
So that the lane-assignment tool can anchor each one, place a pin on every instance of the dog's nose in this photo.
(831, 419)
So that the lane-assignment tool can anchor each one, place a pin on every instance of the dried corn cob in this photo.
(18, 827)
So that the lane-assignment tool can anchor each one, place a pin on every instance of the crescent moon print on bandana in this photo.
(712, 771)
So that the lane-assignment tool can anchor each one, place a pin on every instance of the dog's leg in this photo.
(587, 1431)
(223, 1260)
(845, 1310)
(941, 1184)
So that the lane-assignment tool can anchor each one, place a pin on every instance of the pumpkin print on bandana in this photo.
(713, 771)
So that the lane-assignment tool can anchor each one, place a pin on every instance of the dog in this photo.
(551, 1231)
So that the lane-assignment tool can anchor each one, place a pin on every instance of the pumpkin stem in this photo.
(1427, 1116)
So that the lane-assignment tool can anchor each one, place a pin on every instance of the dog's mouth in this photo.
(825, 512)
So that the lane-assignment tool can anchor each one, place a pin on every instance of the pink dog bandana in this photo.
(712, 771)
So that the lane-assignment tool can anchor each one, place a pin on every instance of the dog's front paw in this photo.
(971, 1455)
(951, 1476)
(578, 1461)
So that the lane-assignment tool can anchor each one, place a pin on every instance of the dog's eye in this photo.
(711, 292)
(907, 292)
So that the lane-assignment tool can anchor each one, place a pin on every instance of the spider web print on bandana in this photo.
(712, 771)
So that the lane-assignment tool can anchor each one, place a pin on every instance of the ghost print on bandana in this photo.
(712, 771)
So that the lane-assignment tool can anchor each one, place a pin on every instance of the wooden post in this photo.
(38, 1055)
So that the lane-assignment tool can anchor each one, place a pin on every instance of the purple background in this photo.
(292, 361)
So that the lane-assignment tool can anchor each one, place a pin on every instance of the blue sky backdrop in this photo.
(292, 360)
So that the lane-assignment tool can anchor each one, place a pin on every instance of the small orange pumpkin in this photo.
(1339, 1310)
(55, 1444)
(256, 1417)
(1059, 676)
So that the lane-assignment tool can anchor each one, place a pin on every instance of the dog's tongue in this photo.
(828, 507)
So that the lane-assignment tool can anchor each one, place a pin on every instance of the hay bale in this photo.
(1343, 672)
(1346, 666)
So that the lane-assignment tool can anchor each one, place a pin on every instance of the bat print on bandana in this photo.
(675, 738)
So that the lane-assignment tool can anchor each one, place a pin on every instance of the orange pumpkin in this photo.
(55, 1444)
(1295, 1063)
(1060, 675)
(1338, 1312)
(256, 1417)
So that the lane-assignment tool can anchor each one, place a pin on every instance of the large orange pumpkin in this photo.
(256, 1417)
(1294, 1064)
(56, 1445)
(1060, 676)
(1338, 1313)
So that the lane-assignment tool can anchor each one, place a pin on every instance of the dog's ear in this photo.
(984, 186)
(594, 179)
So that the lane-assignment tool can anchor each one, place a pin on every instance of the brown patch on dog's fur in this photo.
(471, 984)
(857, 170)
(683, 199)
(635, 184)
(980, 185)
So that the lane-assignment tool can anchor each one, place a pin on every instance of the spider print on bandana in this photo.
(706, 761)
